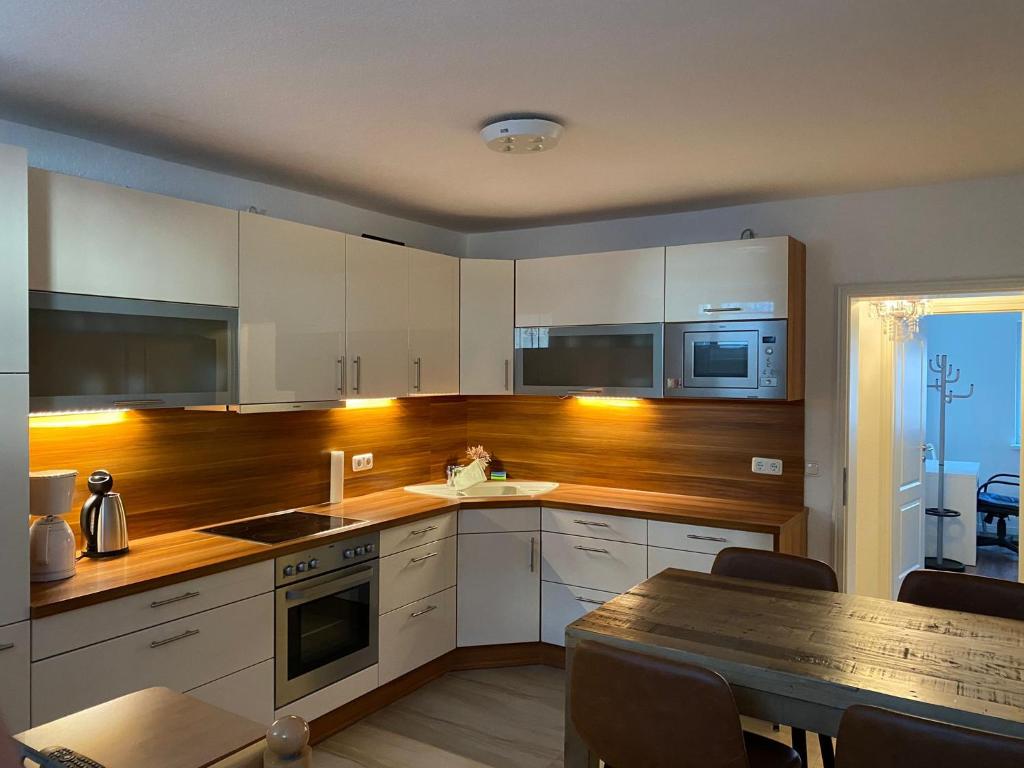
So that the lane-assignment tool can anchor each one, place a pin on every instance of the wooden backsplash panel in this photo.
(693, 447)
(181, 469)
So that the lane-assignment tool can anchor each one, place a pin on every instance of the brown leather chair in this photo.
(870, 737)
(789, 570)
(964, 592)
(637, 711)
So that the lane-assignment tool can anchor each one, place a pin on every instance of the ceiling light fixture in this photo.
(522, 136)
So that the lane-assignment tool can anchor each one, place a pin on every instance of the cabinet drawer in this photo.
(562, 604)
(85, 626)
(416, 634)
(502, 520)
(413, 534)
(596, 526)
(416, 573)
(248, 692)
(610, 566)
(658, 559)
(180, 655)
(702, 538)
(14, 676)
(333, 696)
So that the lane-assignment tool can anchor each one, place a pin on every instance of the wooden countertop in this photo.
(182, 555)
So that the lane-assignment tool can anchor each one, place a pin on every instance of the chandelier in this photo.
(899, 316)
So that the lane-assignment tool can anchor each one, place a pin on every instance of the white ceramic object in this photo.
(288, 744)
(488, 490)
(51, 541)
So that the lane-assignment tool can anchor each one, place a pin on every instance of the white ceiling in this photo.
(668, 104)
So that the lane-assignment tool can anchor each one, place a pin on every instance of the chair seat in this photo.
(1011, 504)
(768, 753)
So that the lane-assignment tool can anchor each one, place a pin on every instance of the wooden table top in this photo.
(183, 555)
(827, 649)
(155, 728)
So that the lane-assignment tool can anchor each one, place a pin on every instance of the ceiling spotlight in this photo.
(522, 135)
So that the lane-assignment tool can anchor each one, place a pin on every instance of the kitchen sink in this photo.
(486, 490)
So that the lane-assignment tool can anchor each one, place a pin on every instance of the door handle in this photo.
(591, 549)
(417, 367)
(356, 371)
(719, 539)
(424, 557)
(594, 523)
(178, 599)
(591, 602)
(506, 373)
(176, 638)
(6, 646)
(533, 553)
(341, 374)
(421, 531)
(428, 609)
(710, 310)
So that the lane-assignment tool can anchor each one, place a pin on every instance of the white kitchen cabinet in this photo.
(331, 697)
(415, 634)
(608, 566)
(416, 573)
(291, 311)
(14, 676)
(14, 259)
(660, 558)
(591, 289)
(499, 588)
(377, 318)
(562, 604)
(734, 280)
(433, 323)
(102, 240)
(248, 692)
(14, 569)
(487, 326)
(401, 537)
(704, 538)
(595, 525)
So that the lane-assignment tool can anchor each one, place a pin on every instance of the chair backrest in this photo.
(877, 738)
(631, 709)
(964, 592)
(776, 568)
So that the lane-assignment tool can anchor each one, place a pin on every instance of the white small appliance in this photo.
(51, 541)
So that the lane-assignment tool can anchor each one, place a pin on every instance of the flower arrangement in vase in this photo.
(473, 473)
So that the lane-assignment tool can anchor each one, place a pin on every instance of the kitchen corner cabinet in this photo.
(291, 311)
(499, 576)
(377, 318)
(591, 289)
(433, 323)
(14, 259)
(14, 567)
(487, 326)
(102, 240)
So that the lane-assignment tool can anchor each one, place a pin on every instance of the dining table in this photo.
(800, 657)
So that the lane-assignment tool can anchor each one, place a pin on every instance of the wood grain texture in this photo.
(822, 652)
(796, 349)
(689, 447)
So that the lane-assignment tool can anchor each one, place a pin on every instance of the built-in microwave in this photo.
(613, 360)
(736, 359)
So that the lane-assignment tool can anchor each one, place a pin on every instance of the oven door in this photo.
(326, 631)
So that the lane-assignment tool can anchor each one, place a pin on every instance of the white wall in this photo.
(78, 157)
(984, 347)
(966, 229)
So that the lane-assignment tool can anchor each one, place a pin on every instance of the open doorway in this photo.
(897, 347)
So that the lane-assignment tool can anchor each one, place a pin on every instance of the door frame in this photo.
(1001, 294)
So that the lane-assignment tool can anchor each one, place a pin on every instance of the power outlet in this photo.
(760, 466)
(362, 462)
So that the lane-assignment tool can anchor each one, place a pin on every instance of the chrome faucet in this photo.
(450, 471)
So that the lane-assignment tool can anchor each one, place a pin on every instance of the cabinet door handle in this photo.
(356, 366)
(176, 638)
(719, 539)
(421, 531)
(6, 646)
(139, 403)
(533, 553)
(591, 549)
(593, 523)
(178, 599)
(417, 367)
(591, 602)
(428, 609)
(507, 366)
(424, 557)
(711, 310)
(341, 374)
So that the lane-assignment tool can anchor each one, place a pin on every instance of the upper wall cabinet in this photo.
(102, 240)
(377, 327)
(591, 289)
(14, 259)
(433, 323)
(735, 280)
(291, 312)
(487, 326)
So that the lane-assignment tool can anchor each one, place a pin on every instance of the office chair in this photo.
(998, 507)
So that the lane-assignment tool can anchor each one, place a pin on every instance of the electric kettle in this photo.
(104, 525)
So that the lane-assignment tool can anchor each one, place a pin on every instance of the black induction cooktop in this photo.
(280, 526)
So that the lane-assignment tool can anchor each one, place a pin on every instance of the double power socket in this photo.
(362, 462)
(762, 466)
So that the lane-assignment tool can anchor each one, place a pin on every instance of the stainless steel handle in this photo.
(719, 539)
(591, 522)
(6, 646)
(507, 366)
(176, 638)
(421, 531)
(357, 373)
(178, 599)
(341, 374)
(588, 600)
(422, 558)
(428, 609)
(417, 366)
(533, 553)
(710, 310)
(329, 587)
(135, 403)
(591, 549)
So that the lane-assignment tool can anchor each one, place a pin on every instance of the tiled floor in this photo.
(494, 718)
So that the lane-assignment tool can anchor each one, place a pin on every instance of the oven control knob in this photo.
(360, 551)
(349, 554)
(314, 564)
(301, 567)
(289, 570)
(370, 548)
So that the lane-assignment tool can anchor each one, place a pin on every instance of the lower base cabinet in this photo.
(15, 652)
(415, 634)
(499, 588)
(248, 692)
(562, 604)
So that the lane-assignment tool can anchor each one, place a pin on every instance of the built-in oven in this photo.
(613, 360)
(736, 359)
(326, 616)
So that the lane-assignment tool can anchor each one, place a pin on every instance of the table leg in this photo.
(576, 753)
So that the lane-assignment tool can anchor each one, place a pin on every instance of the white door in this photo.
(499, 588)
(377, 307)
(910, 366)
(487, 326)
(291, 311)
(433, 323)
